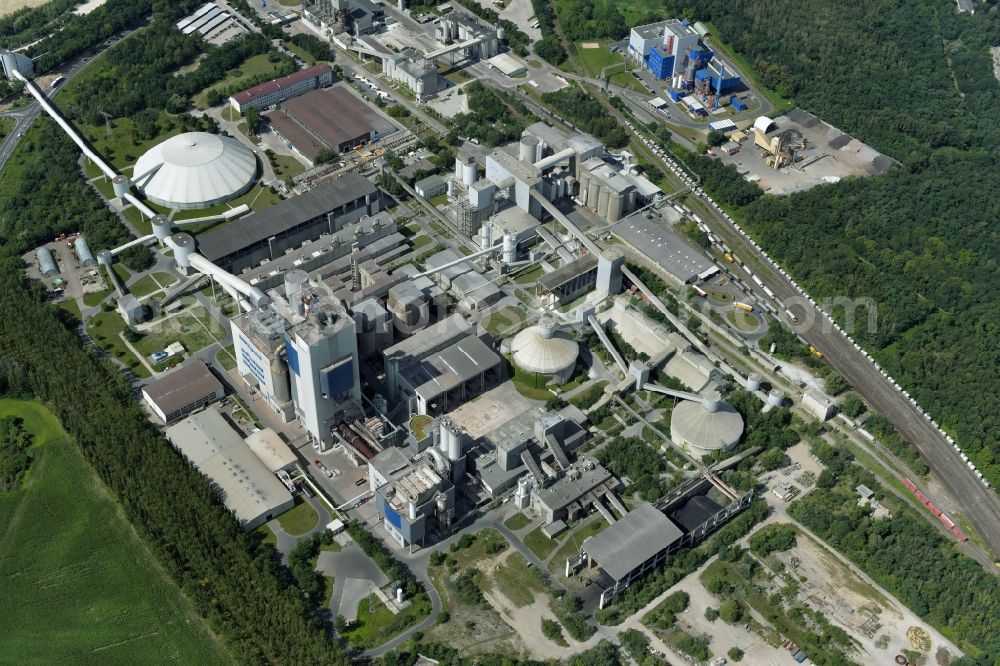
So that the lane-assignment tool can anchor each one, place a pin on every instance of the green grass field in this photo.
(79, 586)
(571, 546)
(516, 580)
(151, 284)
(539, 544)
(299, 520)
(517, 521)
(105, 328)
(188, 328)
(378, 625)
(6, 125)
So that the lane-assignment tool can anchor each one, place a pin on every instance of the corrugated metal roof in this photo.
(284, 215)
(179, 388)
(639, 536)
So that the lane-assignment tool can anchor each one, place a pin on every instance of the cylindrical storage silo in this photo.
(161, 227)
(469, 170)
(615, 206)
(585, 179)
(46, 262)
(443, 425)
(105, 258)
(459, 163)
(509, 248)
(754, 381)
(451, 188)
(527, 149)
(593, 192)
(499, 33)
(602, 200)
(183, 246)
(710, 402)
(412, 507)
(83, 252)
(775, 398)
(295, 282)
(121, 185)
(454, 444)
(486, 235)
(570, 186)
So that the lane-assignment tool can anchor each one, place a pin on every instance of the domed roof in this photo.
(708, 425)
(542, 348)
(195, 170)
(764, 124)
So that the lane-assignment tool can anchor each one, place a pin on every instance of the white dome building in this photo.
(707, 425)
(195, 170)
(544, 349)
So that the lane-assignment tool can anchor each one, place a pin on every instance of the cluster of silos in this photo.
(450, 439)
(465, 168)
(608, 194)
(46, 262)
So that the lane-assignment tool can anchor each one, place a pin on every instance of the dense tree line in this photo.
(139, 74)
(590, 19)
(586, 113)
(604, 653)
(302, 563)
(915, 563)
(43, 194)
(224, 572)
(549, 47)
(15, 440)
(915, 80)
(773, 538)
(889, 437)
(643, 465)
(494, 117)
(313, 45)
(71, 35)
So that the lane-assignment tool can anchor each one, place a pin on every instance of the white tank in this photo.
(528, 149)
(451, 188)
(458, 166)
(710, 402)
(105, 258)
(775, 398)
(442, 503)
(295, 282)
(161, 227)
(443, 425)
(486, 236)
(469, 170)
(509, 248)
(412, 507)
(121, 185)
(183, 246)
(454, 443)
(754, 381)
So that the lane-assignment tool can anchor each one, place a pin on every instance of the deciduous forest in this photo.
(915, 80)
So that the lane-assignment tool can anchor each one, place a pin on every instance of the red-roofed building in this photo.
(278, 90)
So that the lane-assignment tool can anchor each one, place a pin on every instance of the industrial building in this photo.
(411, 69)
(818, 404)
(414, 495)
(464, 35)
(431, 186)
(633, 546)
(333, 17)
(649, 233)
(546, 350)
(195, 170)
(300, 354)
(244, 484)
(282, 89)
(706, 425)
(272, 450)
(182, 391)
(332, 118)
(213, 23)
(441, 367)
(268, 234)
(672, 52)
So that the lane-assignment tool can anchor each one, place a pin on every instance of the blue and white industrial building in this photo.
(671, 51)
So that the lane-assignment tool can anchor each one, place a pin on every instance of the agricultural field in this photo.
(86, 590)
